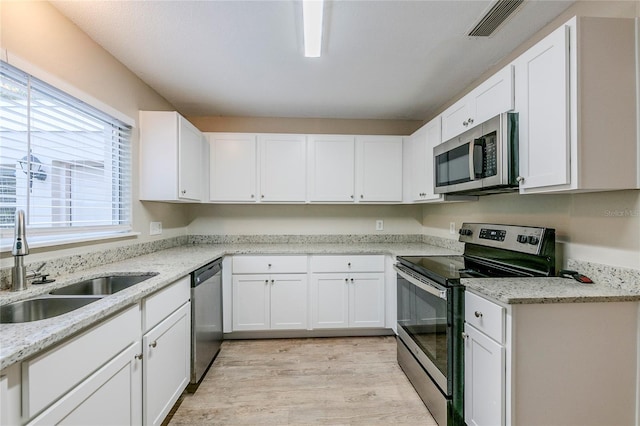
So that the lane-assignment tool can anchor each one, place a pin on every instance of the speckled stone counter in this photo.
(19, 341)
(512, 291)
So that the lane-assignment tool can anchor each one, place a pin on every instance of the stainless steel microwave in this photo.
(483, 160)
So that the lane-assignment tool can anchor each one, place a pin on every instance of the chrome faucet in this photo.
(19, 250)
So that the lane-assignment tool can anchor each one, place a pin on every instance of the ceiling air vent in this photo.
(498, 13)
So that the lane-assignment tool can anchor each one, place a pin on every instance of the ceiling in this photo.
(394, 59)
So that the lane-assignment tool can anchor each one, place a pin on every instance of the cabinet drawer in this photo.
(48, 376)
(160, 305)
(485, 316)
(348, 263)
(269, 264)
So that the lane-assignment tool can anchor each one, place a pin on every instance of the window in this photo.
(62, 161)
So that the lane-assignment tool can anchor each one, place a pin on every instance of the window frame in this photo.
(53, 236)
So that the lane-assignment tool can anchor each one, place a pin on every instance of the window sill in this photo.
(43, 241)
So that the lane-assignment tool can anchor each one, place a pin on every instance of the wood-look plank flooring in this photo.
(321, 381)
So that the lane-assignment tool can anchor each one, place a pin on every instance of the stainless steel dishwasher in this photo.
(206, 319)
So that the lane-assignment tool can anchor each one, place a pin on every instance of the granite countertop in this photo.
(514, 291)
(19, 341)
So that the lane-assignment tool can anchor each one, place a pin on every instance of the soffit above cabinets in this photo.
(380, 59)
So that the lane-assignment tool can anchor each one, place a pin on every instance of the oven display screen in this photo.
(492, 234)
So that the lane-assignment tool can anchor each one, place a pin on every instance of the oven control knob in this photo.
(522, 239)
(533, 240)
(464, 231)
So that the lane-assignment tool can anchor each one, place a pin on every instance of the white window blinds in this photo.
(65, 163)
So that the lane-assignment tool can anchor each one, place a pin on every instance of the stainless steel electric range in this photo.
(431, 305)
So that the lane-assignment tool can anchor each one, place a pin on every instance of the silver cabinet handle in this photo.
(351, 196)
(262, 196)
(351, 280)
(269, 265)
(361, 195)
(273, 282)
(464, 335)
(138, 356)
(470, 121)
(184, 191)
(253, 196)
(266, 281)
(153, 344)
(520, 179)
(465, 123)
(349, 264)
(346, 280)
(478, 314)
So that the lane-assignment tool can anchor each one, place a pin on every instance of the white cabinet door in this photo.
(366, 300)
(283, 168)
(494, 96)
(421, 145)
(171, 152)
(167, 357)
(455, 119)
(110, 396)
(379, 168)
(251, 302)
(542, 87)
(288, 302)
(330, 301)
(190, 142)
(331, 165)
(232, 163)
(484, 380)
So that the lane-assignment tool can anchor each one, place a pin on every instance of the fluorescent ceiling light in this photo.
(312, 21)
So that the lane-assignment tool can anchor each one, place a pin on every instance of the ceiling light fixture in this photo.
(312, 11)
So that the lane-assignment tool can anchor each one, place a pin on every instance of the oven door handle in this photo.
(431, 287)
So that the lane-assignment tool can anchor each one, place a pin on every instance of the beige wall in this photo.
(37, 33)
(598, 227)
(303, 219)
(305, 125)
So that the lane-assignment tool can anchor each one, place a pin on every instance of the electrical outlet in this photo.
(452, 228)
(379, 225)
(155, 228)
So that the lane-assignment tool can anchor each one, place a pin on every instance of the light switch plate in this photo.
(379, 225)
(155, 228)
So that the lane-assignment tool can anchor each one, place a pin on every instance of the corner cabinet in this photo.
(553, 363)
(567, 143)
(171, 158)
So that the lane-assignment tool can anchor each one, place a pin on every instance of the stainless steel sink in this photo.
(41, 308)
(102, 286)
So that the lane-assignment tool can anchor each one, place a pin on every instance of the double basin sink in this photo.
(67, 299)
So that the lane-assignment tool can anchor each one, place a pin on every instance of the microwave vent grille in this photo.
(498, 13)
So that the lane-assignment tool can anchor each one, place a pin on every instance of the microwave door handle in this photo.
(472, 171)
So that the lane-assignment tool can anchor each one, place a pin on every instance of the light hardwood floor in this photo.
(336, 381)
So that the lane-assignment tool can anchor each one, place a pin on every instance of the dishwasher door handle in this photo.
(207, 272)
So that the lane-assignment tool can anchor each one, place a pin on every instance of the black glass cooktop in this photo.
(451, 268)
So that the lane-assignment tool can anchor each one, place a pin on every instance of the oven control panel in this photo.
(525, 239)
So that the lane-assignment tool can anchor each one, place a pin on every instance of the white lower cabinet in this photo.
(129, 369)
(484, 375)
(269, 302)
(348, 300)
(110, 396)
(550, 363)
(167, 357)
(347, 291)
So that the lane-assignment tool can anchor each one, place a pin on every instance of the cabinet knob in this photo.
(470, 121)
(266, 281)
(269, 265)
(464, 335)
(465, 123)
(352, 280)
(138, 356)
(349, 264)
(361, 195)
(346, 280)
(273, 282)
(520, 179)
(478, 314)
(351, 196)
(184, 191)
(153, 344)
(253, 196)
(262, 196)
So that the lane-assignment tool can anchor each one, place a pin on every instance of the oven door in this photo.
(424, 325)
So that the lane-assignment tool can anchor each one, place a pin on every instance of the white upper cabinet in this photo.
(171, 152)
(575, 95)
(494, 96)
(232, 167)
(283, 168)
(331, 166)
(420, 159)
(379, 168)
